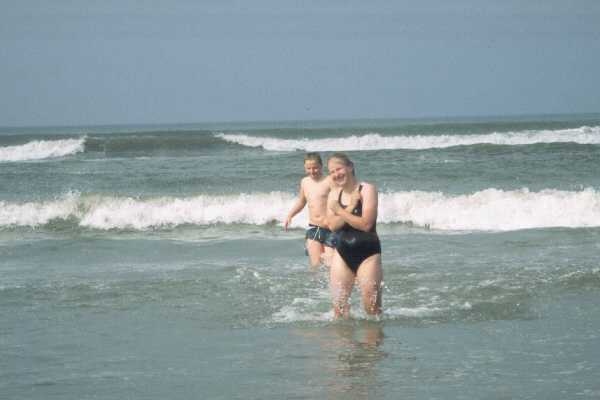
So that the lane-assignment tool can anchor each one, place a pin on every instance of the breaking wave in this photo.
(42, 149)
(375, 141)
(486, 210)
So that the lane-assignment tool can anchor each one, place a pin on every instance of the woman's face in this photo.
(338, 171)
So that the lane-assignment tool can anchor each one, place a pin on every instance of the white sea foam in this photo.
(414, 312)
(487, 210)
(129, 213)
(289, 314)
(109, 212)
(34, 214)
(493, 209)
(375, 141)
(429, 310)
(42, 149)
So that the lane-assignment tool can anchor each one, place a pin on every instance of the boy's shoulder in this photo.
(306, 183)
(305, 180)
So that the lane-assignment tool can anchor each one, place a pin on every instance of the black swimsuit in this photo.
(354, 245)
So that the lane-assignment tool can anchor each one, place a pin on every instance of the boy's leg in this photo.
(327, 255)
(314, 249)
(329, 248)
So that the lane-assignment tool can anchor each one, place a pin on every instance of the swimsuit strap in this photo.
(340, 196)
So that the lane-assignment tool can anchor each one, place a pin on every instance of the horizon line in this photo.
(434, 118)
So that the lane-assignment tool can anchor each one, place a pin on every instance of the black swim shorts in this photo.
(321, 235)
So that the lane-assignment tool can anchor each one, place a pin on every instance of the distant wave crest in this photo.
(375, 141)
(42, 149)
(486, 210)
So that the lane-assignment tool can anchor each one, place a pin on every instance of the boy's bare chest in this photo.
(316, 190)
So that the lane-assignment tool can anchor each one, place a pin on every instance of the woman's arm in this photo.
(334, 221)
(369, 210)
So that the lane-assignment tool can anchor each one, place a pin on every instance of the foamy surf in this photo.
(375, 141)
(486, 210)
(42, 149)
(493, 209)
(34, 214)
(292, 314)
(128, 213)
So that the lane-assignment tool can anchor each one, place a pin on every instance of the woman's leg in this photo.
(369, 278)
(341, 280)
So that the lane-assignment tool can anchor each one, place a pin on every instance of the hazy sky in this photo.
(110, 62)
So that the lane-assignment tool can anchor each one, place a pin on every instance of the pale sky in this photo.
(83, 62)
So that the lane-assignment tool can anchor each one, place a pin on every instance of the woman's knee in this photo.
(371, 297)
(370, 281)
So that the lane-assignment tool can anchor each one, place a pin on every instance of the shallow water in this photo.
(151, 263)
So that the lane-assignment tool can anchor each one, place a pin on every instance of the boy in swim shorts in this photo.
(314, 191)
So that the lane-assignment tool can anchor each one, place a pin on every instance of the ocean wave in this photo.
(493, 209)
(375, 141)
(152, 141)
(112, 212)
(486, 210)
(42, 149)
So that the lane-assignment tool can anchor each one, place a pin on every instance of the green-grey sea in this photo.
(150, 262)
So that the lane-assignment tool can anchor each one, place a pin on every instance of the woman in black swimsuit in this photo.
(352, 214)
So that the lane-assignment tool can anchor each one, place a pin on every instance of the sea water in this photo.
(151, 262)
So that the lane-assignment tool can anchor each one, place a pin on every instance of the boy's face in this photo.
(313, 169)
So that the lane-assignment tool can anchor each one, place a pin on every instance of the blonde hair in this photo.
(313, 157)
(344, 159)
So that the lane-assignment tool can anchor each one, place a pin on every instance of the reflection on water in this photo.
(350, 352)
(358, 348)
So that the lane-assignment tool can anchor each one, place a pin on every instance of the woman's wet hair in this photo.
(344, 159)
(313, 157)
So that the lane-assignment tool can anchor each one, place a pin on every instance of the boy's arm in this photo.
(296, 208)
